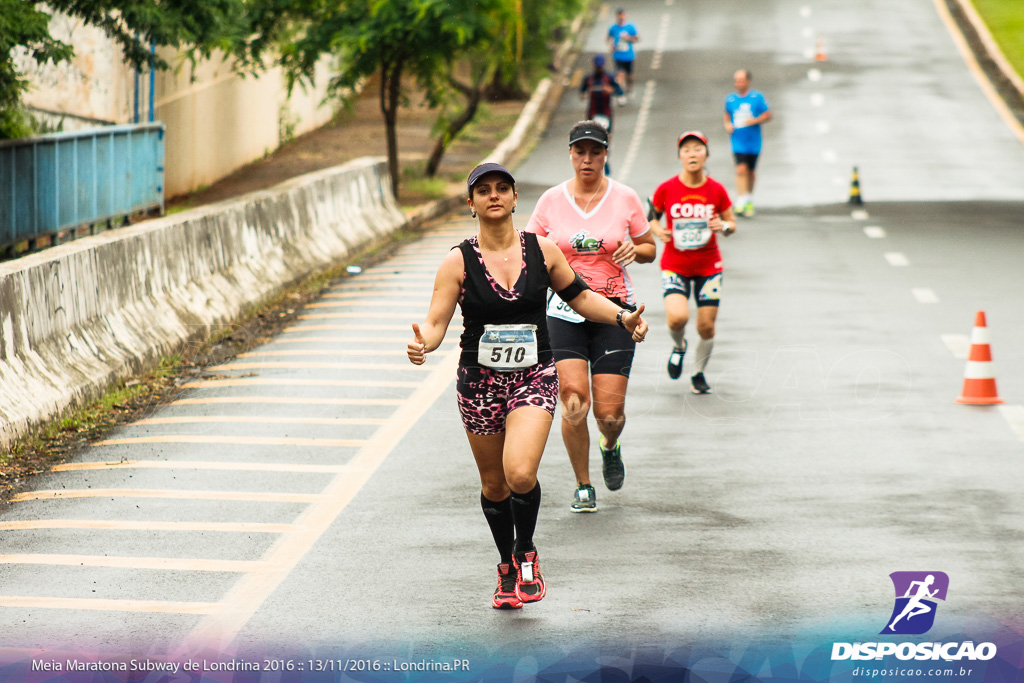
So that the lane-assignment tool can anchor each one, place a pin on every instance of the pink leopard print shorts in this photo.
(487, 396)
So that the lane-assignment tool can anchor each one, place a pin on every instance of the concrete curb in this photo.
(77, 317)
(990, 45)
(1006, 84)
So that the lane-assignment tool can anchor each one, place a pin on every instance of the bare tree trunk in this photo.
(390, 90)
(453, 129)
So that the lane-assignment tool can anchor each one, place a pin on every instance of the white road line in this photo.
(1015, 416)
(859, 214)
(925, 295)
(814, 75)
(661, 41)
(829, 156)
(817, 100)
(875, 232)
(895, 258)
(823, 127)
(805, 11)
(958, 344)
(807, 32)
(638, 131)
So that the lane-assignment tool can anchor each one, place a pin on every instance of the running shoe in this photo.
(530, 586)
(675, 362)
(621, 100)
(748, 210)
(699, 385)
(505, 596)
(614, 469)
(584, 499)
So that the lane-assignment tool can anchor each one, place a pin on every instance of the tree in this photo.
(197, 26)
(387, 38)
(22, 25)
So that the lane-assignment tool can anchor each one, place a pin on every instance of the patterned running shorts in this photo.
(487, 396)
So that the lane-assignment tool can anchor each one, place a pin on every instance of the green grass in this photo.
(1005, 21)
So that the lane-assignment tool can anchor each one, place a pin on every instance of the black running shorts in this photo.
(608, 348)
(707, 290)
(750, 160)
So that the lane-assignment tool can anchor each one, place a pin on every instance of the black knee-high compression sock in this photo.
(499, 518)
(525, 507)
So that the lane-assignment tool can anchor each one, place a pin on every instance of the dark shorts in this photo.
(624, 65)
(707, 290)
(487, 396)
(750, 160)
(608, 348)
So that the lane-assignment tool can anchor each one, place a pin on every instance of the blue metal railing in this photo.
(53, 183)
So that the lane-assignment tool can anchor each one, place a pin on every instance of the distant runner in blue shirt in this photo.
(621, 37)
(745, 111)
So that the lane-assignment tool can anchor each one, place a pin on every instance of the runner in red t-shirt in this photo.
(696, 209)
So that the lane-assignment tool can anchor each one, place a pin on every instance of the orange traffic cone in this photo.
(820, 55)
(979, 378)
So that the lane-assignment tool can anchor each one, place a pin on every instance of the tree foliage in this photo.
(450, 49)
(192, 25)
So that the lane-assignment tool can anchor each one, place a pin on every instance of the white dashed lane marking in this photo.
(895, 258)
(1015, 416)
(925, 295)
(874, 232)
(958, 344)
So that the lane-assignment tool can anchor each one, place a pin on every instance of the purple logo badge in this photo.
(916, 596)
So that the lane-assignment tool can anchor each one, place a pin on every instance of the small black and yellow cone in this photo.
(855, 198)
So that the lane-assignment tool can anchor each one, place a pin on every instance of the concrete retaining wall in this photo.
(79, 316)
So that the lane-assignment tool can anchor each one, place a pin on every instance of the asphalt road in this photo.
(317, 498)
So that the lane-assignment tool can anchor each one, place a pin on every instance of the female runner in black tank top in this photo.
(507, 384)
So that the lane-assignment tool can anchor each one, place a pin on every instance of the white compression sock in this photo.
(677, 338)
(704, 347)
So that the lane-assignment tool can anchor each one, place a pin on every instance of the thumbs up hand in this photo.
(417, 349)
(635, 324)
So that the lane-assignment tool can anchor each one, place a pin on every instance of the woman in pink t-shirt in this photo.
(601, 227)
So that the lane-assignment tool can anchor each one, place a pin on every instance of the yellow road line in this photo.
(235, 440)
(133, 525)
(315, 366)
(404, 339)
(363, 295)
(289, 400)
(249, 593)
(359, 314)
(330, 352)
(155, 606)
(321, 328)
(201, 465)
(162, 563)
(258, 496)
(371, 302)
(424, 276)
(260, 419)
(272, 382)
(979, 75)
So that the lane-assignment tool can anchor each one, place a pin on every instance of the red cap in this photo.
(691, 134)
